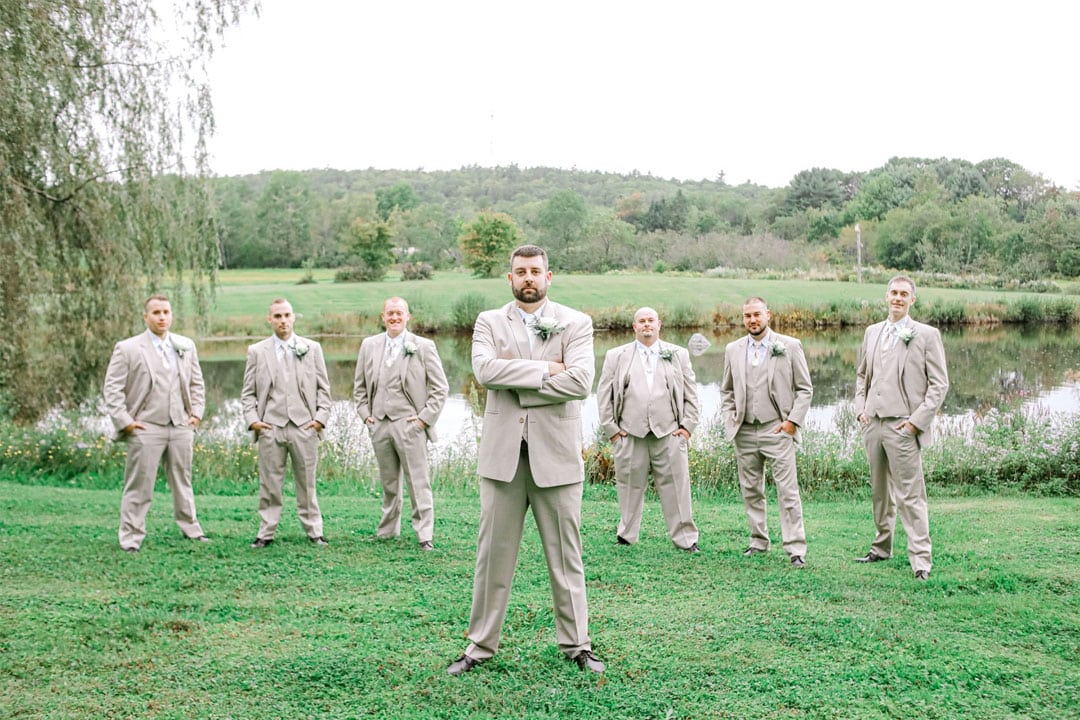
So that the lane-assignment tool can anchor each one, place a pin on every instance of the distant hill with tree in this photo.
(931, 215)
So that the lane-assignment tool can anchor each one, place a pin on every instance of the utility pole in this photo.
(858, 254)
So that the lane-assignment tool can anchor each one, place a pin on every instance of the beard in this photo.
(530, 294)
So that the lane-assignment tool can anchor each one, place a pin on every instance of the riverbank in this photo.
(451, 300)
(364, 628)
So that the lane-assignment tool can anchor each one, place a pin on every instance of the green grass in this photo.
(243, 297)
(364, 628)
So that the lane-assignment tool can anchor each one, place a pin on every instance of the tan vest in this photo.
(883, 397)
(657, 416)
(389, 402)
(283, 402)
(164, 404)
(759, 406)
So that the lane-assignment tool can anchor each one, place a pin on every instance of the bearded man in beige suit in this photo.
(535, 357)
(764, 397)
(648, 405)
(155, 396)
(286, 404)
(399, 391)
(901, 382)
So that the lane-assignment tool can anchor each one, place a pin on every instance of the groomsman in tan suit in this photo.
(399, 391)
(535, 357)
(286, 402)
(764, 397)
(648, 404)
(900, 385)
(155, 396)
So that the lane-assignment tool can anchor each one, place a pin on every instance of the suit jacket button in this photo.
(521, 420)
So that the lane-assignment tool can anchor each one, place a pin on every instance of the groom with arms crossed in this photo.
(535, 357)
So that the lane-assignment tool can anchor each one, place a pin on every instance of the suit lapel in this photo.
(518, 331)
(404, 359)
(150, 358)
(738, 368)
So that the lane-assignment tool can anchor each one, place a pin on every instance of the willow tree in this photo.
(104, 117)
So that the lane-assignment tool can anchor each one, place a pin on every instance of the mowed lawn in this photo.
(365, 628)
(243, 296)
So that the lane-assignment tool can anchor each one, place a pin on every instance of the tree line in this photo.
(934, 215)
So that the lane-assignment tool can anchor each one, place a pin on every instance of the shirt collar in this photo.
(160, 341)
(766, 339)
(641, 347)
(537, 314)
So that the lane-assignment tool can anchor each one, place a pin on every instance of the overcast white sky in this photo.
(757, 89)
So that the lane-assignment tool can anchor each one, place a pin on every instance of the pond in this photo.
(988, 367)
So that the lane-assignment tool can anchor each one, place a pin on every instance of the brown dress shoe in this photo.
(462, 665)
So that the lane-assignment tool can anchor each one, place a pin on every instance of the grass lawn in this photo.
(365, 628)
(243, 296)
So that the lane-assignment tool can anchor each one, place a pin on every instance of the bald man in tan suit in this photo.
(764, 398)
(399, 390)
(155, 396)
(286, 402)
(535, 357)
(901, 382)
(648, 404)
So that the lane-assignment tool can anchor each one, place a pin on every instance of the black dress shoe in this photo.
(620, 540)
(751, 551)
(922, 575)
(692, 549)
(200, 538)
(587, 661)
(261, 542)
(318, 540)
(798, 561)
(427, 546)
(462, 665)
(871, 557)
(132, 550)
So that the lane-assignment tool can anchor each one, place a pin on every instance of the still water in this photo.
(988, 367)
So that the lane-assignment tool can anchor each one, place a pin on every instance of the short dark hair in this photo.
(155, 296)
(902, 278)
(530, 251)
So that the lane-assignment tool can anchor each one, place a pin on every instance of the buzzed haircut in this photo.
(755, 299)
(155, 296)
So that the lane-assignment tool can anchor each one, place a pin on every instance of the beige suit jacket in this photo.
(788, 379)
(521, 392)
(922, 379)
(423, 381)
(313, 380)
(131, 376)
(615, 378)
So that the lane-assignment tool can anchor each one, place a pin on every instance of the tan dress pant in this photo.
(401, 449)
(667, 458)
(756, 444)
(557, 512)
(171, 444)
(275, 447)
(896, 481)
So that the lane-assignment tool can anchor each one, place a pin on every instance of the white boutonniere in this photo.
(666, 354)
(181, 346)
(301, 349)
(778, 348)
(545, 327)
(409, 348)
(907, 334)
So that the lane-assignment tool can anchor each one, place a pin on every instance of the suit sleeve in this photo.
(860, 376)
(115, 379)
(360, 386)
(605, 395)
(727, 389)
(574, 383)
(801, 384)
(691, 410)
(323, 398)
(497, 373)
(248, 398)
(437, 386)
(937, 381)
(196, 386)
